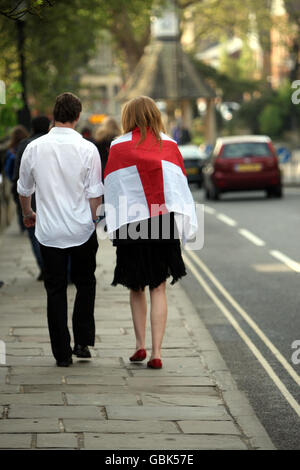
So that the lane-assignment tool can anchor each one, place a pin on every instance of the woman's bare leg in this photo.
(158, 314)
(138, 306)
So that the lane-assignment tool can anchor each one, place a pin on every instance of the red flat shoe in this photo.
(138, 356)
(154, 364)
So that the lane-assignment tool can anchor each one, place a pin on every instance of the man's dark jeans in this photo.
(83, 266)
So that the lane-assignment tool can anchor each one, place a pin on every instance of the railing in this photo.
(7, 205)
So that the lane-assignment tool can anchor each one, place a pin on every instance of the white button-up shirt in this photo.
(64, 170)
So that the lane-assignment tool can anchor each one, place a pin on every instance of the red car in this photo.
(242, 163)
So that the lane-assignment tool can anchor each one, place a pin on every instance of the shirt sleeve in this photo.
(94, 186)
(26, 183)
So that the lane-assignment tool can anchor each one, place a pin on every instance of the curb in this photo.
(236, 401)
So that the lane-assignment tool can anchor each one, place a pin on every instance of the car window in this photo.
(246, 149)
(188, 151)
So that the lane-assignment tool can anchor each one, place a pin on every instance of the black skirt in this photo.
(148, 264)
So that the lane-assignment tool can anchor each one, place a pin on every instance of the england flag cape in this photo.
(145, 180)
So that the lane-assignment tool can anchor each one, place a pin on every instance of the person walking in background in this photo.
(18, 134)
(104, 135)
(40, 126)
(87, 134)
(145, 183)
(64, 170)
(181, 134)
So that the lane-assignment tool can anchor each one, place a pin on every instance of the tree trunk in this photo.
(131, 46)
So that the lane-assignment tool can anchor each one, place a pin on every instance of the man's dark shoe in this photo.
(81, 351)
(65, 363)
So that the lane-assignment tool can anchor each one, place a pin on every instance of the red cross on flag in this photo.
(145, 180)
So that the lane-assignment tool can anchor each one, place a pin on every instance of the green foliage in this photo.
(271, 120)
(17, 10)
(231, 87)
(272, 113)
(60, 42)
(60, 39)
(8, 111)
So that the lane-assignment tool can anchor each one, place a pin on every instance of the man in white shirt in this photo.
(64, 171)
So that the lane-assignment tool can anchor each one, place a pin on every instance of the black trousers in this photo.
(83, 266)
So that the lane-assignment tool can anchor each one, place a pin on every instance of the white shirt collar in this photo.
(63, 130)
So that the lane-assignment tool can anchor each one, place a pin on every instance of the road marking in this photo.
(209, 210)
(227, 220)
(280, 385)
(286, 260)
(251, 237)
(271, 268)
(246, 317)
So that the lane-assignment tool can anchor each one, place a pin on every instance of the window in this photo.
(246, 149)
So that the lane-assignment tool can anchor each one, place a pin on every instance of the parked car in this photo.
(194, 159)
(242, 163)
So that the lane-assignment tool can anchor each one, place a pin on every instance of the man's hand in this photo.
(29, 220)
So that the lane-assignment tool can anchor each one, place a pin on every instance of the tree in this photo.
(8, 111)
(61, 39)
(19, 10)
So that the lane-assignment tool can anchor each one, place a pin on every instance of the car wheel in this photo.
(278, 191)
(269, 193)
(275, 192)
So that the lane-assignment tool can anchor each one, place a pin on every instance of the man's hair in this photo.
(66, 108)
(40, 125)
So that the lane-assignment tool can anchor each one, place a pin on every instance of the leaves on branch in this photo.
(19, 10)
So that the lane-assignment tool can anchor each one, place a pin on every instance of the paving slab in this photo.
(121, 426)
(47, 398)
(43, 411)
(97, 380)
(62, 440)
(15, 441)
(32, 379)
(101, 399)
(186, 399)
(28, 425)
(162, 380)
(209, 427)
(7, 388)
(163, 441)
(11, 351)
(82, 368)
(3, 374)
(167, 413)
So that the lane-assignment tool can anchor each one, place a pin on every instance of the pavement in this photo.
(109, 403)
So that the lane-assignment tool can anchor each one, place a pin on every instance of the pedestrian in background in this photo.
(145, 168)
(87, 134)
(40, 126)
(104, 135)
(181, 134)
(64, 170)
(18, 134)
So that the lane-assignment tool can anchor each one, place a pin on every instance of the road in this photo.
(246, 288)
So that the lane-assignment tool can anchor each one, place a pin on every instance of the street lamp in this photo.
(24, 116)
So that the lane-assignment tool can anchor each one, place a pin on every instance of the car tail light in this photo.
(273, 161)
